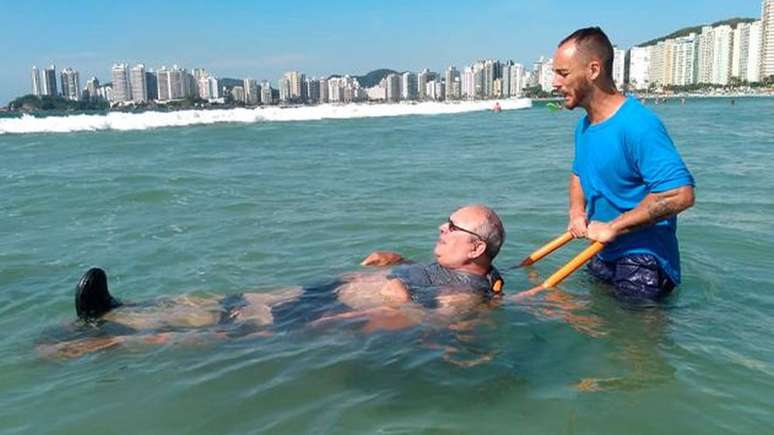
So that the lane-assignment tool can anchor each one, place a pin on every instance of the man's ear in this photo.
(594, 70)
(479, 250)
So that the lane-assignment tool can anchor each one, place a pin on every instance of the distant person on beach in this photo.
(405, 294)
(628, 182)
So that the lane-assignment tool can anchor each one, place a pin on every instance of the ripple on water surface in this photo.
(218, 209)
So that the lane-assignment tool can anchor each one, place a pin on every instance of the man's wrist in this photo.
(617, 226)
(574, 214)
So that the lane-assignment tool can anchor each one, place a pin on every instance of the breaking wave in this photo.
(142, 121)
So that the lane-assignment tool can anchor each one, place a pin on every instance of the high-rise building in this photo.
(361, 94)
(456, 87)
(663, 63)
(284, 89)
(721, 54)
(497, 88)
(544, 70)
(619, 63)
(669, 61)
(505, 85)
(291, 87)
(706, 55)
(190, 87)
(672, 62)
(208, 87)
(335, 95)
(162, 80)
(685, 55)
(408, 86)
(422, 78)
(351, 88)
(199, 73)
(238, 93)
(393, 88)
(266, 96)
(745, 60)
(151, 85)
(434, 90)
(736, 49)
(656, 68)
(753, 73)
(348, 93)
(452, 76)
(49, 81)
(767, 39)
(378, 92)
(121, 84)
(251, 91)
(213, 87)
(138, 84)
(312, 90)
(105, 92)
(468, 83)
(37, 89)
(203, 87)
(92, 87)
(323, 90)
(71, 84)
(517, 79)
(492, 70)
(303, 95)
(639, 65)
(487, 77)
(478, 80)
(173, 83)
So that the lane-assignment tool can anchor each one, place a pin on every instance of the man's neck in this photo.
(475, 268)
(603, 104)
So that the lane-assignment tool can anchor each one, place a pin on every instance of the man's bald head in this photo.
(592, 44)
(470, 239)
(489, 226)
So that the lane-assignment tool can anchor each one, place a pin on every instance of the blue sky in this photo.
(262, 39)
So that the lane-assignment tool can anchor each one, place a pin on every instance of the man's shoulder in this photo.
(639, 117)
(637, 122)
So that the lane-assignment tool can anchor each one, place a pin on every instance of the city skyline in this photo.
(269, 51)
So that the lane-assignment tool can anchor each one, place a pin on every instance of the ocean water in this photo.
(220, 208)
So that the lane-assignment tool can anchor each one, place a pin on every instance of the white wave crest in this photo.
(141, 121)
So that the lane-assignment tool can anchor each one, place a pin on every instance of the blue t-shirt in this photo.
(621, 160)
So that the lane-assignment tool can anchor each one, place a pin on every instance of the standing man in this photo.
(628, 182)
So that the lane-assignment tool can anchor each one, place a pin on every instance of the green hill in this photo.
(32, 103)
(697, 29)
(230, 83)
(374, 77)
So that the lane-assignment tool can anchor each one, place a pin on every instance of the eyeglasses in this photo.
(453, 227)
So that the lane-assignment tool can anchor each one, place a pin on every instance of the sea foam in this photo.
(142, 121)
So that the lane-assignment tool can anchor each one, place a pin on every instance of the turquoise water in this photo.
(228, 207)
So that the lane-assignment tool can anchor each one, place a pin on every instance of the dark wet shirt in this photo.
(423, 281)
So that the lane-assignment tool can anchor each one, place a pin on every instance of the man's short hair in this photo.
(492, 231)
(592, 41)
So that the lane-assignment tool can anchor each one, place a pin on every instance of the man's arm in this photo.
(394, 309)
(384, 318)
(382, 258)
(577, 210)
(655, 207)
